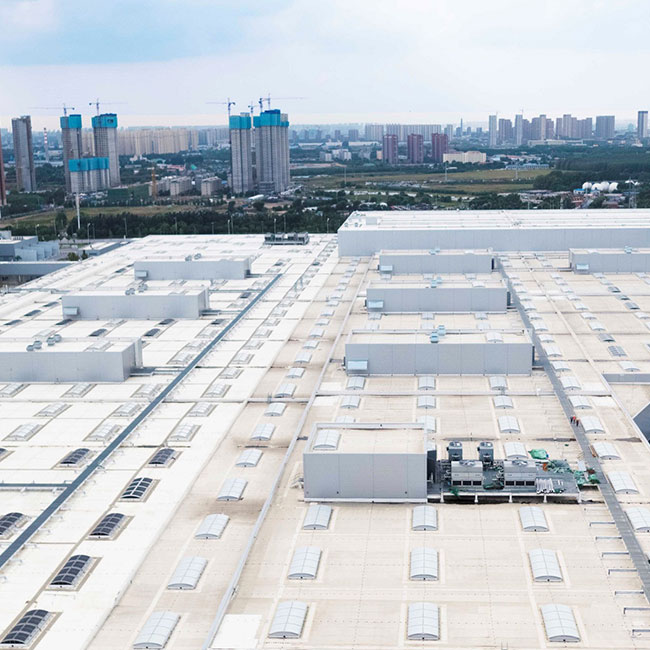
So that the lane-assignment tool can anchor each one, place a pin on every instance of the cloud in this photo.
(25, 18)
(421, 59)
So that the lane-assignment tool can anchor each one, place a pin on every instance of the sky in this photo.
(159, 62)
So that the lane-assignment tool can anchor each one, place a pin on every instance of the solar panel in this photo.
(9, 521)
(137, 488)
(27, 628)
(75, 457)
(71, 572)
(108, 526)
(163, 456)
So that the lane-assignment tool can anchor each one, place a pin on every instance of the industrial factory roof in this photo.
(198, 545)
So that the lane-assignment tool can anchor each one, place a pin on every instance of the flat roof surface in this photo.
(302, 296)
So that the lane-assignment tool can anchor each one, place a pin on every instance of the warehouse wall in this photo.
(443, 358)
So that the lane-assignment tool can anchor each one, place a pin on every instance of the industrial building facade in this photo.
(298, 462)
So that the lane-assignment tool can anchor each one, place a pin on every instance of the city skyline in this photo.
(165, 85)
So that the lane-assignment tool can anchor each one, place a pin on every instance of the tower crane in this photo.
(97, 103)
(228, 103)
(66, 108)
(267, 99)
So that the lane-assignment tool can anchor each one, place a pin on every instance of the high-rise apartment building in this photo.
(374, 132)
(88, 175)
(24, 153)
(505, 131)
(605, 127)
(492, 131)
(105, 135)
(72, 144)
(389, 149)
(439, 146)
(519, 130)
(415, 148)
(3, 180)
(241, 155)
(642, 125)
(272, 150)
(353, 135)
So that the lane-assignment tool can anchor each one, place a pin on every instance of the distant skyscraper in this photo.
(415, 148)
(605, 127)
(24, 153)
(492, 129)
(272, 151)
(505, 132)
(3, 180)
(72, 144)
(374, 132)
(353, 135)
(241, 155)
(642, 125)
(105, 133)
(439, 146)
(519, 130)
(449, 131)
(389, 149)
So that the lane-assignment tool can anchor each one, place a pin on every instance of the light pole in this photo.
(213, 227)
(274, 228)
(285, 222)
(327, 226)
(124, 227)
(88, 232)
(176, 224)
(36, 227)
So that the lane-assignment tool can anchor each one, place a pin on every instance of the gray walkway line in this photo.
(74, 485)
(619, 517)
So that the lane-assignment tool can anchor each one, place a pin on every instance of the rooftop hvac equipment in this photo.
(485, 451)
(455, 450)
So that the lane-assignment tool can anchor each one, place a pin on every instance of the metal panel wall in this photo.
(611, 262)
(138, 305)
(358, 476)
(438, 263)
(368, 241)
(440, 299)
(194, 269)
(443, 358)
(52, 365)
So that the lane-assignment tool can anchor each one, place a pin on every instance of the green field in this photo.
(482, 178)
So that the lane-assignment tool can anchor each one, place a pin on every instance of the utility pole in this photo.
(76, 202)
(124, 227)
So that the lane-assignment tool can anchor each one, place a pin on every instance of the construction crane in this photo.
(51, 108)
(228, 103)
(251, 107)
(97, 103)
(267, 99)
